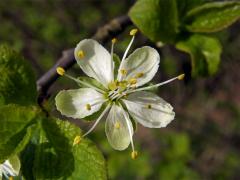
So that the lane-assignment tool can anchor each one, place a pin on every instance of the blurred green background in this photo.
(203, 141)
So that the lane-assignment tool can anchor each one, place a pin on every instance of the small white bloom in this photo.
(10, 168)
(123, 96)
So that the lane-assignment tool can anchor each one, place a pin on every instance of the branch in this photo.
(103, 34)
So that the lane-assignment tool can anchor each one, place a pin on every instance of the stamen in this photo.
(60, 71)
(132, 81)
(77, 140)
(156, 85)
(149, 106)
(133, 32)
(139, 75)
(97, 121)
(80, 54)
(114, 40)
(88, 107)
(181, 77)
(112, 86)
(134, 154)
(123, 72)
(117, 125)
(130, 134)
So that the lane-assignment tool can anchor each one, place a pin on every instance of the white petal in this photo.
(149, 109)
(96, 62)
(11, 167)
(143, 60)
(72, 103)
(117, 129)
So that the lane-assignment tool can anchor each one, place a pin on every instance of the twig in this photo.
(103, 34)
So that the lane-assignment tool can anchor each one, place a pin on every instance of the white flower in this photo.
(123, 96)
(10, 168)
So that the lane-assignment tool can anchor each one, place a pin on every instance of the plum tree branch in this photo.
(103, 34)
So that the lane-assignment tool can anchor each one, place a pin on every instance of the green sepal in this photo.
(117, 63)
(92, 82)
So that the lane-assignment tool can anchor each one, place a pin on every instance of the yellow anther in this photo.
(132, 81)
(114, 40)
(112, 86)
(10, 178)
(133, 32)
(80, 54)
(139, 75)
(122, 83)
(134, 155)
(181, 77)
(149, 106)
(77, 140)
(88, 107)
(60, 71)
(123, 71)
(117, 125)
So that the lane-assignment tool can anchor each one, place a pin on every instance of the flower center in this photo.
(118, 89)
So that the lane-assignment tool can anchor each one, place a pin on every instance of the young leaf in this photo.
(55, 157)
(16, 129)
(157, 19)
(212, 17)
(17, 80)
(205, 54)
(184, 6)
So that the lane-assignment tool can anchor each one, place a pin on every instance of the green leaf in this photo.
(55, 157)
(205, 54)
(92, 82)
(212, 17)
(16, 129)
(17, 80)
(185, 5)
(157, 19)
